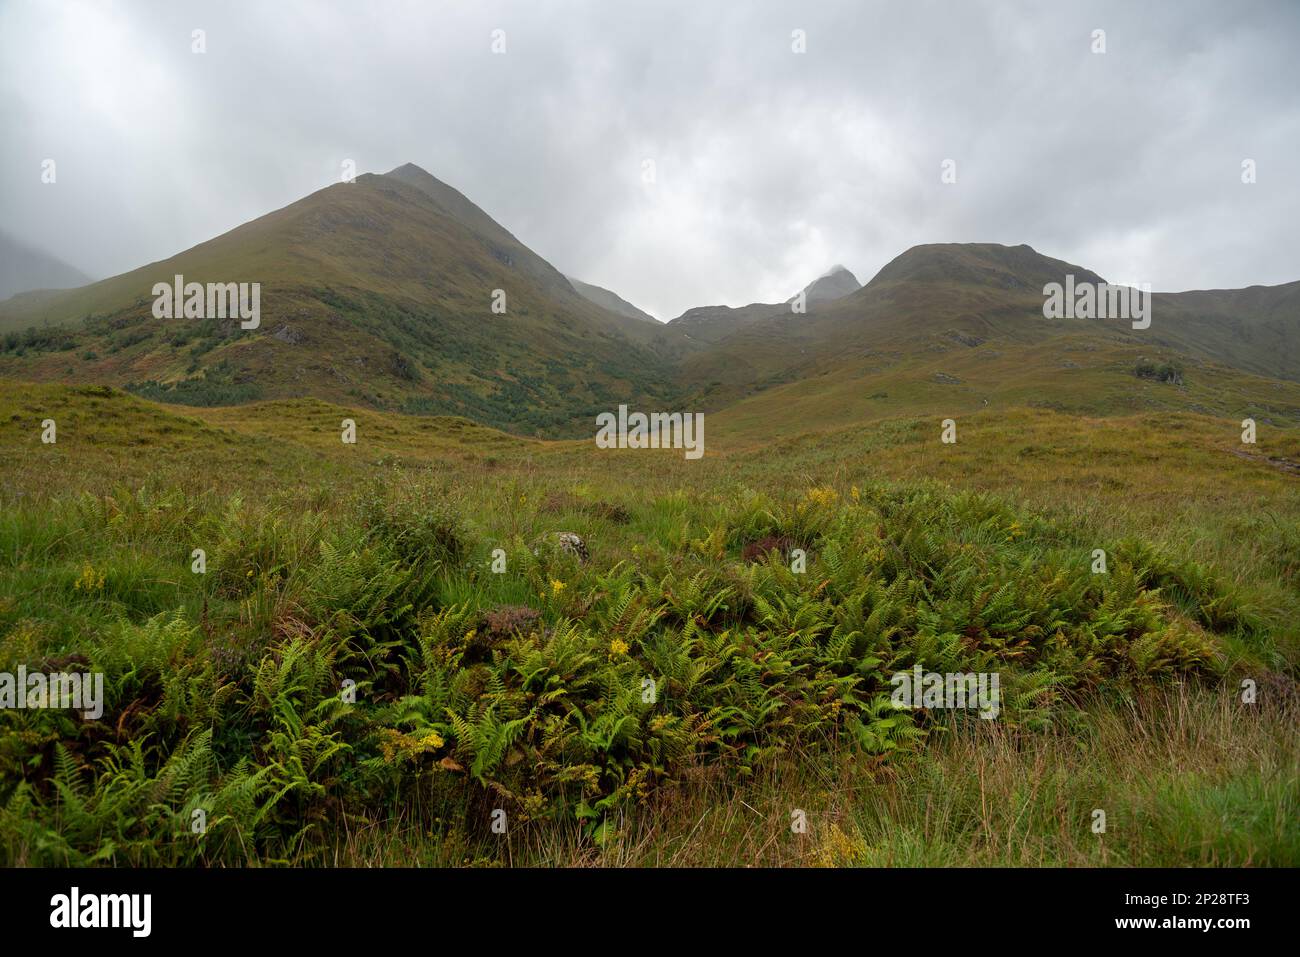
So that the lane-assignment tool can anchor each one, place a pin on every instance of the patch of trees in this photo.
(217, 387)
(38, 340)
(1170, 372)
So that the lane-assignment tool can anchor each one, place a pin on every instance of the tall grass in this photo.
(349, 682)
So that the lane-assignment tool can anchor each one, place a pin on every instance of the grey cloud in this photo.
(770, 165)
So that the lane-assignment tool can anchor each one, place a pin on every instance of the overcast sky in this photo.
(769, 165)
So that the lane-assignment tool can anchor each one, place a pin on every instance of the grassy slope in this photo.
(974, 311)
(377, 291)
(1077, 373)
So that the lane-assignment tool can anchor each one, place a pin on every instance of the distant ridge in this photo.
(713, 323)
(25, 269)
(610, 300)
(987, 264)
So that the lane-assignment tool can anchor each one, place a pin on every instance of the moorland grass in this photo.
(328, 564)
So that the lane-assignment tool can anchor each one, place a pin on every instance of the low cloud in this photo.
(769, 165)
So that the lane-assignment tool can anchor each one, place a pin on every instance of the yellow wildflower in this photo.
(822, 495)
(618, 647)
(556, 586)
(90, 579)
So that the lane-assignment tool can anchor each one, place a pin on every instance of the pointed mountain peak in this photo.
(420, 178)
(834, 283)
(451, 201)
(407, 169)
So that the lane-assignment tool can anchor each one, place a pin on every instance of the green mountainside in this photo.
(380, 293)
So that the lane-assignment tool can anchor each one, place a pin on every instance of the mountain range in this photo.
(382, 291)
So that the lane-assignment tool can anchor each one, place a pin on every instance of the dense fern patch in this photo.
(325, 672)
